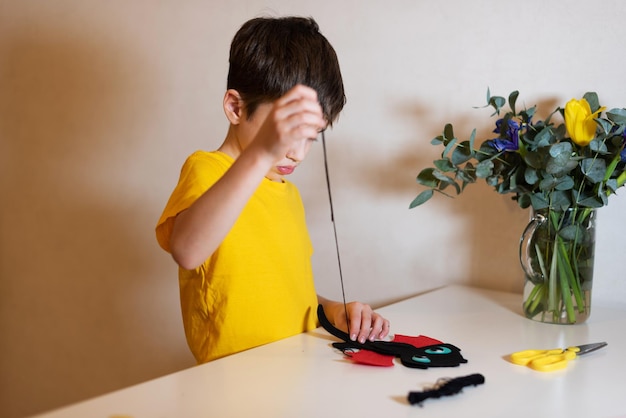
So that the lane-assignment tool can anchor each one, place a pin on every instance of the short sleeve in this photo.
(199, 172)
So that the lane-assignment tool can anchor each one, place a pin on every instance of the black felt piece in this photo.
(439, 355)
(448, 388)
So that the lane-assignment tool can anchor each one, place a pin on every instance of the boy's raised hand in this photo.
(297, 116)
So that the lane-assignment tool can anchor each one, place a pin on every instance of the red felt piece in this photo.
(371, 358)
(419, 341)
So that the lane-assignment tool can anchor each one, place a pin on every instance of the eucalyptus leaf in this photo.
(535, 159)
(560, 160)
(524, 201)
(444, 185)
(548, 183)
(512, 99)
(421, 198)
(442, 177)
(461, 153)
(593, 169)
(592, 99)
(617, 116)
(544, 138)
(437, 140)
(565, 183)
(512, 185)
(605, 125)
(427, 178)
(538, 201)
(611, 184)
(497, 102)
(598, 146)
(560, 167)
(561, 199)
(604, 198)
(467, 175)
(484, 169)
(559, 132)
(446, 181)
(444, 165)
(448, 132)
(587, 199)
(573, 232)
(562, 150)
(492, 180)
(591, 202)
(448, 147)
(531, 176)
(472, 139)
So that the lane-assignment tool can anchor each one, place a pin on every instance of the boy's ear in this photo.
(233, 106)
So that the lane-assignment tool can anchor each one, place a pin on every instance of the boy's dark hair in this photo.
(268, 56)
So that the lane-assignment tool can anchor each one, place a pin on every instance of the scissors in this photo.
(555, 359)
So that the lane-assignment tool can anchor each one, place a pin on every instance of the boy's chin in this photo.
(273, 176)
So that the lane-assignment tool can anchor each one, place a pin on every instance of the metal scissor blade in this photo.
(588, 348)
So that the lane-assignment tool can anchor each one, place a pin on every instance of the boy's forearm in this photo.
(330, 306)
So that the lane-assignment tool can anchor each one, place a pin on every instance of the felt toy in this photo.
(429, 353)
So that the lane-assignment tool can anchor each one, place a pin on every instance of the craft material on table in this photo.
(554, 359)
(419, 352)
(446, 387)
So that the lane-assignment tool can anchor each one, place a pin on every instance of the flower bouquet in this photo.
(562, 171)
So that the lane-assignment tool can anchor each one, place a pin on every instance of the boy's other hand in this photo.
(365, 323)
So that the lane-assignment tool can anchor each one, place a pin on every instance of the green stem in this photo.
(533, 299)
(621, 179)
(611, 168)
(552, 281)
(542, 264)
(568, 275)
(541, 295)
(571, 275)
(567, 280)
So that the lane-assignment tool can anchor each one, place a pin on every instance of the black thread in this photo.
(332, 218)
(446, 387)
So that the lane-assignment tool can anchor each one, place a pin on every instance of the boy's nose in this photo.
(298, 151)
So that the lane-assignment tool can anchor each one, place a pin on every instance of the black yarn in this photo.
(447, 388)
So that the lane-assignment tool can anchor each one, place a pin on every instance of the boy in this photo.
(233, 224)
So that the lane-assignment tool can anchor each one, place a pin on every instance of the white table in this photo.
(303, 376)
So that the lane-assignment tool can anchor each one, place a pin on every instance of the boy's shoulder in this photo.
(205, 166)
(209, 157)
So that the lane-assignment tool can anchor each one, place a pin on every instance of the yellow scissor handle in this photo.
(523, 358)
(545, 360)
(552, 362)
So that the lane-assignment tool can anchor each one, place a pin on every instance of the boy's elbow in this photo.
(185, 262)
(184, 257)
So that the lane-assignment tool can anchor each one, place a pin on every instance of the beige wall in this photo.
(100, 102)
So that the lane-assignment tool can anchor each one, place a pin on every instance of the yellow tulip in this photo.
(579, 121)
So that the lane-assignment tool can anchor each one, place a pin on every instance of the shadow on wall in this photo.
(493, 222)
(82, 309)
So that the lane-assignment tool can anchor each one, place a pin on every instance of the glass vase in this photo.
(557, 255)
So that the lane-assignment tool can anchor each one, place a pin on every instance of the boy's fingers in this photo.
(366, 326)
(377, 327)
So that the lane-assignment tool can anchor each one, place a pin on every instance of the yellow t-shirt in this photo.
(257, 287)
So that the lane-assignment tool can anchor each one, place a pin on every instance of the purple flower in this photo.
(509, 140)
(623, 153)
